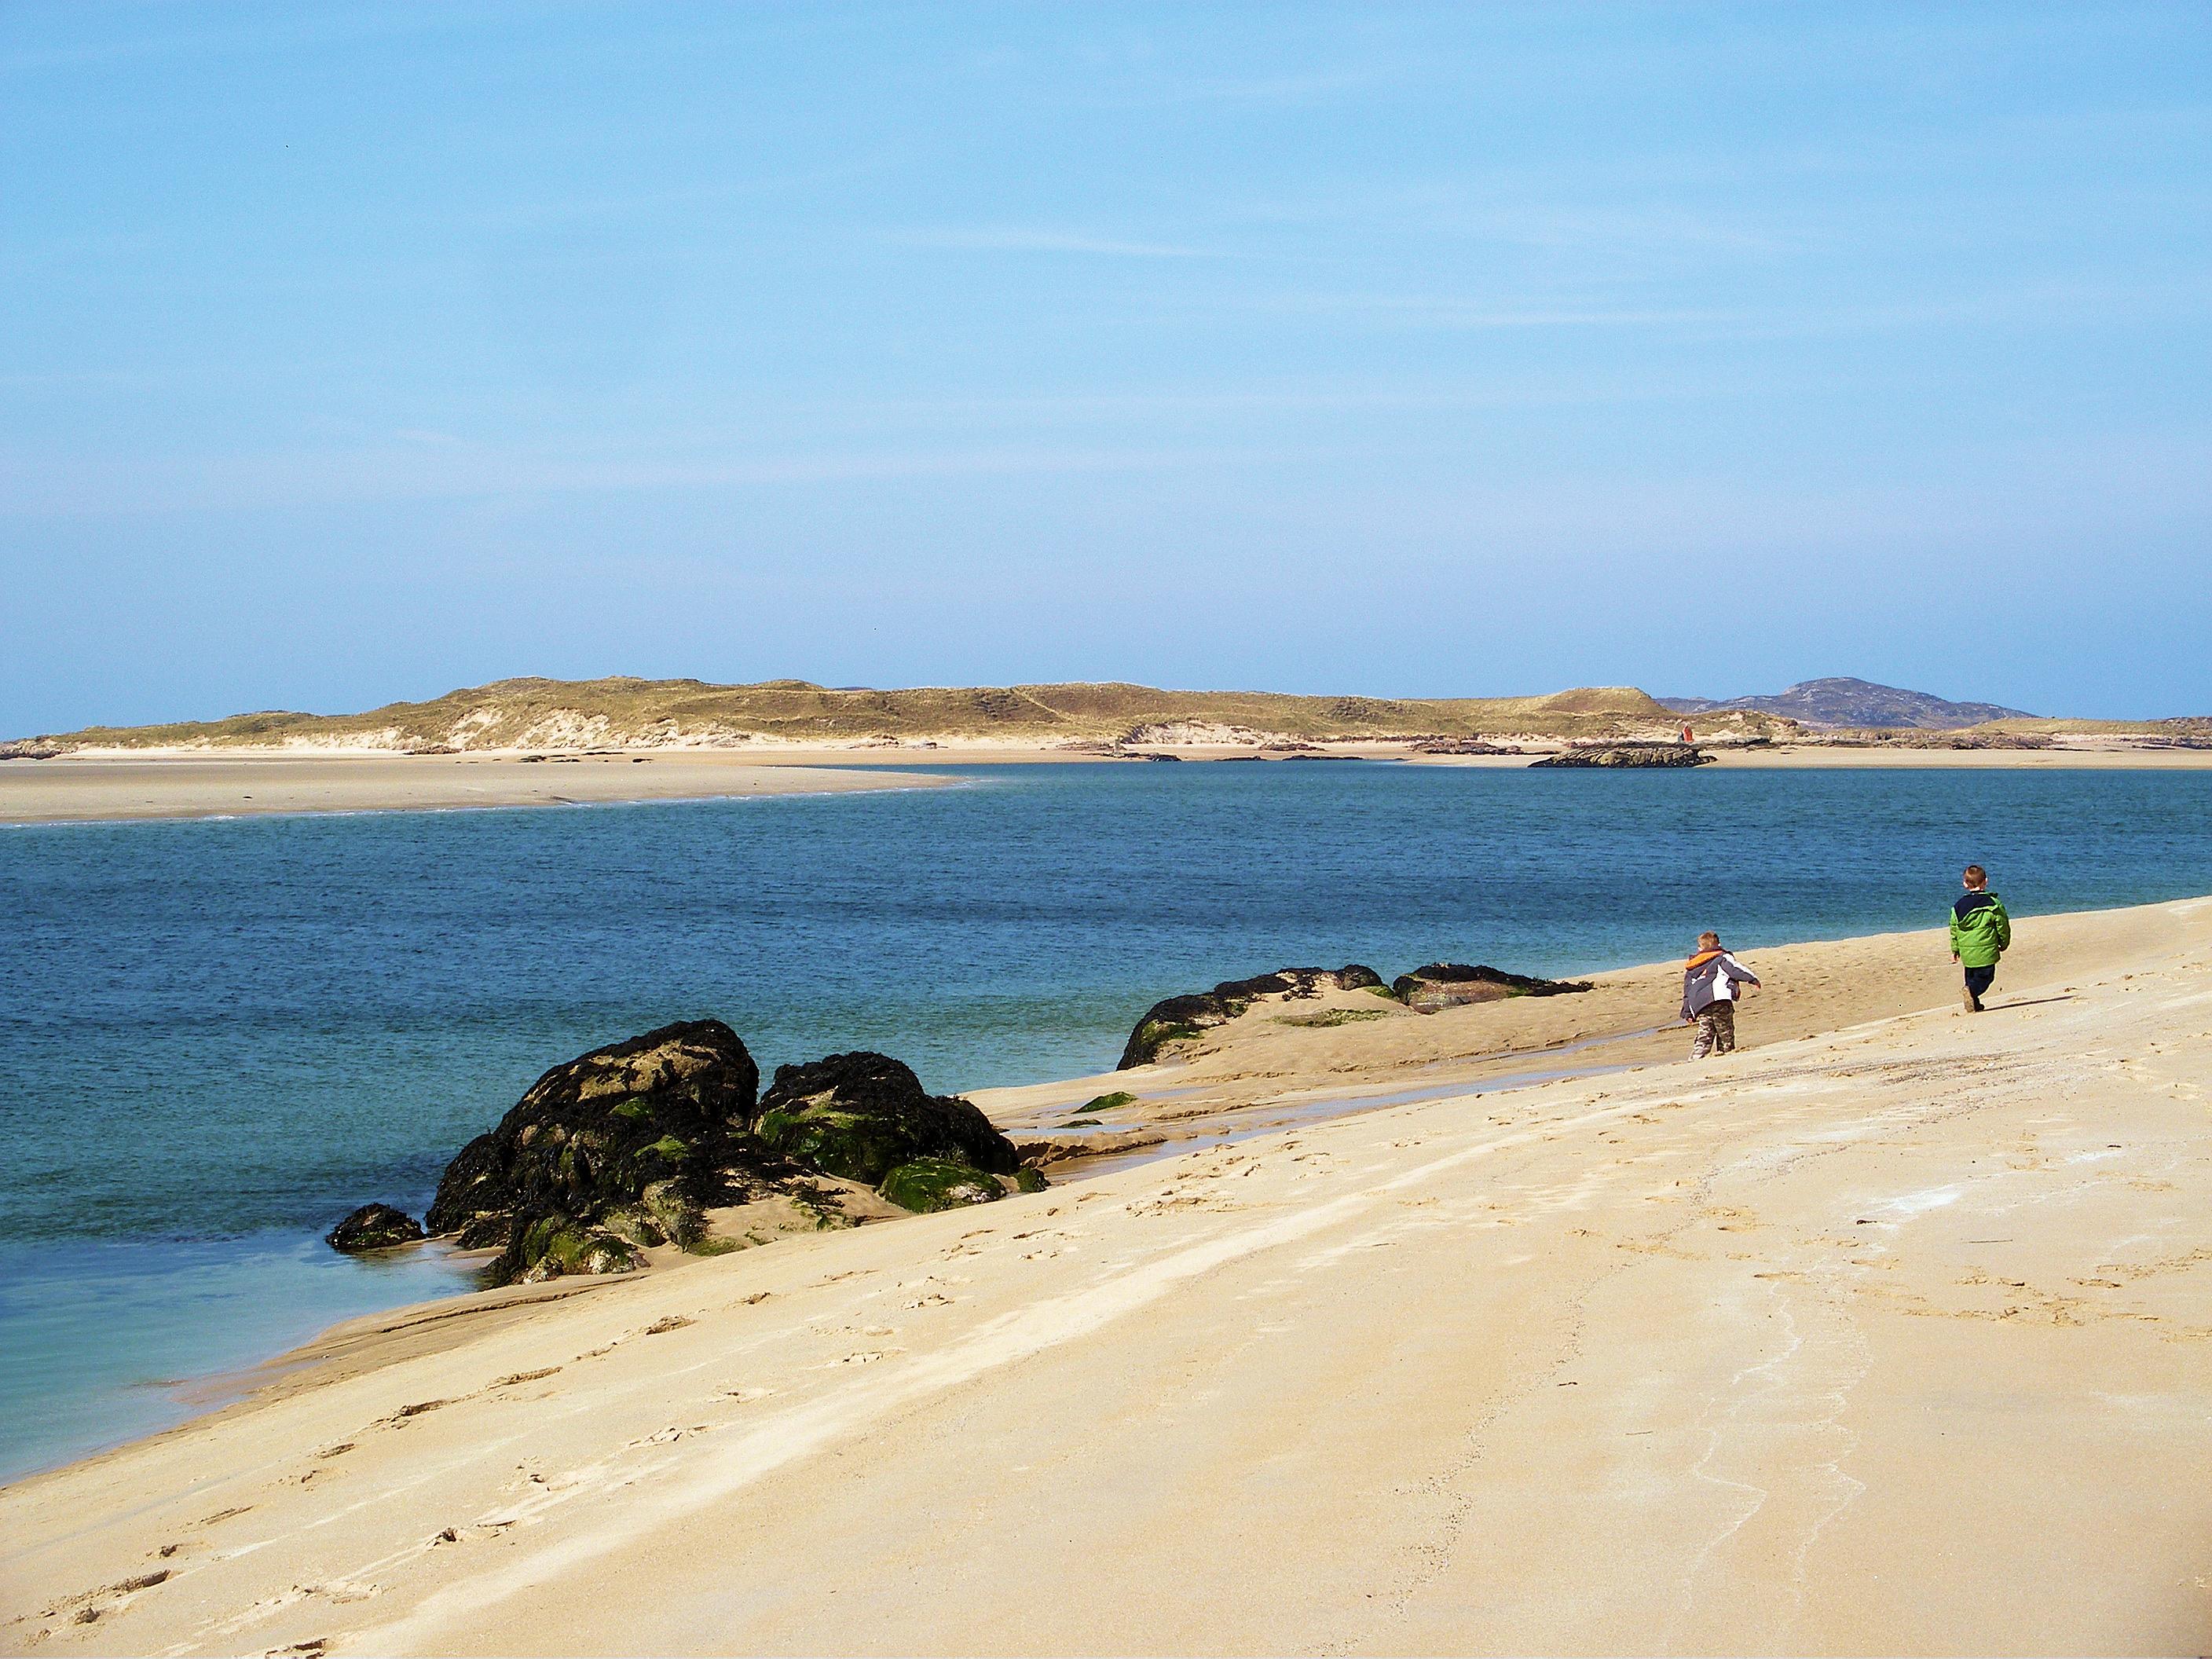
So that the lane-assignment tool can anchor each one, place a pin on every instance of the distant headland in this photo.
(627, 714)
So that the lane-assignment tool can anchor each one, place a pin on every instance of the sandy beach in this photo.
(97, 789)
(1892, 1333)
(91, 787)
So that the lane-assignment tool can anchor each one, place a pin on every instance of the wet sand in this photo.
(1892, 1333)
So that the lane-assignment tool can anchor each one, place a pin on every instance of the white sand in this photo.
(238, 782)
(1896, 1337)
(75, 788)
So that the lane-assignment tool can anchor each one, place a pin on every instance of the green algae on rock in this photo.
(861, 1115)
(630, 1146)
(939, 1184)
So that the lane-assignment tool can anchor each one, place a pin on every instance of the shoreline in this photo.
(1899, 1069)
(113, 789)
(1248, 1079)
(116, 786)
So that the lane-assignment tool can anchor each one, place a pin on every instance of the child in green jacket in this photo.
(1981, 932)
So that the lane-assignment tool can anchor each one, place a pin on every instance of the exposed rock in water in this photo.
(1630, 754)
(626, 1147)
(1467, 746)
(1449, 984)
(629, 1143)
(1178, 1018)
(599, 1133)
(861, 1115)
(374, 1227)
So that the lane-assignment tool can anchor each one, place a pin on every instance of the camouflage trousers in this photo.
(1716, 1031)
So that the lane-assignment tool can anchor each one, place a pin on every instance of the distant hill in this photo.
(1848, 702)
(572, 715)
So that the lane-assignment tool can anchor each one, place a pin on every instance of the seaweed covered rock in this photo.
(554, 1245)
(1630, 754)
(628, 1147)
(374, 1227)
(1177, 1018)
(1449, 984)
(635, 1133)
(939, 1183)
(862, 1116)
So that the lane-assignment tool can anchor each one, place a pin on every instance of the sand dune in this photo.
(1896, 1336)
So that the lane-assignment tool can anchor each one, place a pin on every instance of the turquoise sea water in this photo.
(217, 1036)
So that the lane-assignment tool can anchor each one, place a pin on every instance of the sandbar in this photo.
(97, 789)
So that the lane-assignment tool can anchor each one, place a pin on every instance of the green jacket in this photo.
(1981, 932)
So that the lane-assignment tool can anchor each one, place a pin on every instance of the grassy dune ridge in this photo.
(624, 712)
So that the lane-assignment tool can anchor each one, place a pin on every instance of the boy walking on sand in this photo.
(1981, 932)
(1709, 979)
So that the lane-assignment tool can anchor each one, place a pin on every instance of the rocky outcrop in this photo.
(374, 1227)
(1630, 754)
(861, 1115)
(628, 1147)
(632, 1138)
(1178, 1018)
(1449, 984)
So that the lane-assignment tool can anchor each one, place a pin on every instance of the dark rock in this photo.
(928, 1184)
(1466, 747)
(639, 1130)
(1449, 984)
(557, 1246)
(1630, 754)
(626, 1147)
(374, 1227)
(861, 1115)
(1177, 1018)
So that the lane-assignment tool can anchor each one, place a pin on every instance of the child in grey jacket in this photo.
(1710, 980)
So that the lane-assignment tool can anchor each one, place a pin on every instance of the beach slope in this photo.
(1894, 1338)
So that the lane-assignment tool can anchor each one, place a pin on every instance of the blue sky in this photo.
(355, 353)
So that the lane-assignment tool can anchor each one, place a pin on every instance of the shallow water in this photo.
(216, 1038)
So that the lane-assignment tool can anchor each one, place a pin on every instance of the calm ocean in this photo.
(217, 1036)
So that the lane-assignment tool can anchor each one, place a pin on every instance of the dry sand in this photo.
(80, 788)
(1892, 1333)
(90, 787)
